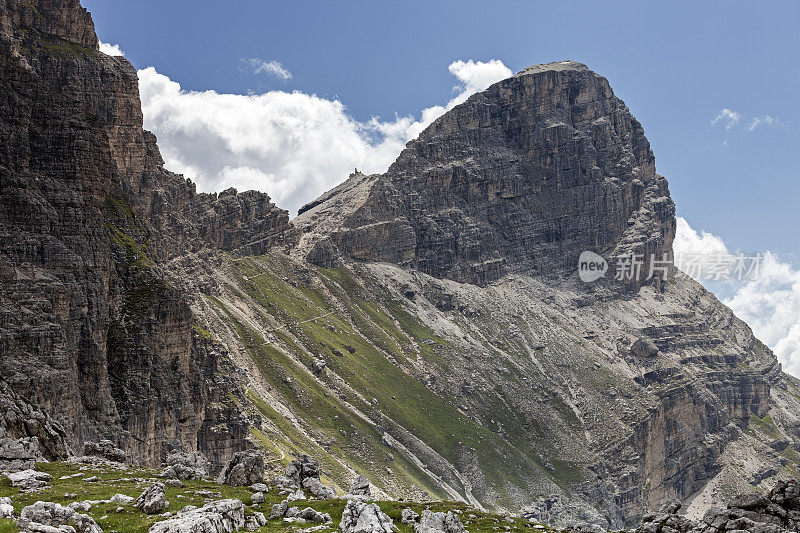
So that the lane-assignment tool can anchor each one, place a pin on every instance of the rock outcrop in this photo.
(54, 515)
(244, 469)
(222, 516)
(432, 522)
(776, 512)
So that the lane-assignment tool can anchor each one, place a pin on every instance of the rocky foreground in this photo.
(95, 493)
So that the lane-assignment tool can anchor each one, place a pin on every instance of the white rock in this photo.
(362, 517)
(222, 516)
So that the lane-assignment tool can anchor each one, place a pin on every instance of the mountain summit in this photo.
(521, 177)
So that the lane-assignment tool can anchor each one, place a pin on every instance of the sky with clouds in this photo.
(293, 100)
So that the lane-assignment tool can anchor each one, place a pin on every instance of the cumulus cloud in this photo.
(767, 297)
(728, 117)
(273, 68)
(111, 49)
(292, 145)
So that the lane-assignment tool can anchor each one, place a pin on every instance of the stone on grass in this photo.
(408, 516)
(257, 497)
(28, 480)
(18, 454)
(439, 523)
(55, 515)
(221, 516)
(153, 500)
(362, 517)
(6, 508)
(122, 499)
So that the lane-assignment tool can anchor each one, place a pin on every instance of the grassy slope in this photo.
(133, 481)
(368, 341)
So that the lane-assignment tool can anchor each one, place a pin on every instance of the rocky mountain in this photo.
(425, 327)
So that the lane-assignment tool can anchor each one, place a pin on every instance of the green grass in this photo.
(369, 341)
(121, 481)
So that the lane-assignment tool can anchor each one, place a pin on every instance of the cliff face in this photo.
(93, 330)
(522, 177)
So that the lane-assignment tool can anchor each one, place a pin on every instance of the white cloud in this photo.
(272, 67)
(769, 301)
(766, 120)
(111, 49)
(728, 117)
(294, 146)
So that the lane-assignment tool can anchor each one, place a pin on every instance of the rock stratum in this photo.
(425, 327)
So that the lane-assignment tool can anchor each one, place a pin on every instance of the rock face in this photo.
(246, 468)
(522, 177)
(93, 331)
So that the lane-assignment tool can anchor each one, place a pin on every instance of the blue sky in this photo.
(288, 97)
(676, 64)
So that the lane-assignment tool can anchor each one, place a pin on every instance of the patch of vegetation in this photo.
(134, 481)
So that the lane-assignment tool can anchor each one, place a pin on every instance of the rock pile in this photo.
(53, 515)
(304, 473)
(295, 514)
(776, 512)
(246, 468)
(186, 466)
(222, 516)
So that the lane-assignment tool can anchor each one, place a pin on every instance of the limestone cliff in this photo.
(93, 331)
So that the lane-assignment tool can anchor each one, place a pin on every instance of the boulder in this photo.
(409, 516)
(153, 500)
(29, 480)
(310, 515)
(315, 487)
(55, 515)
(183, 465)
(255, 521)
(362, 517)
(259, 487)
(279, 510)
(644, 348)
(105, 449)
(257, 498)
(431, 522)
(122, 499)
(360, 487)
(26, 526)
(246, 468)
(222, 516)
(19, 454)
(6, 508)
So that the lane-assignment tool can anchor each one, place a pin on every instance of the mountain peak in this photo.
(521, 178)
